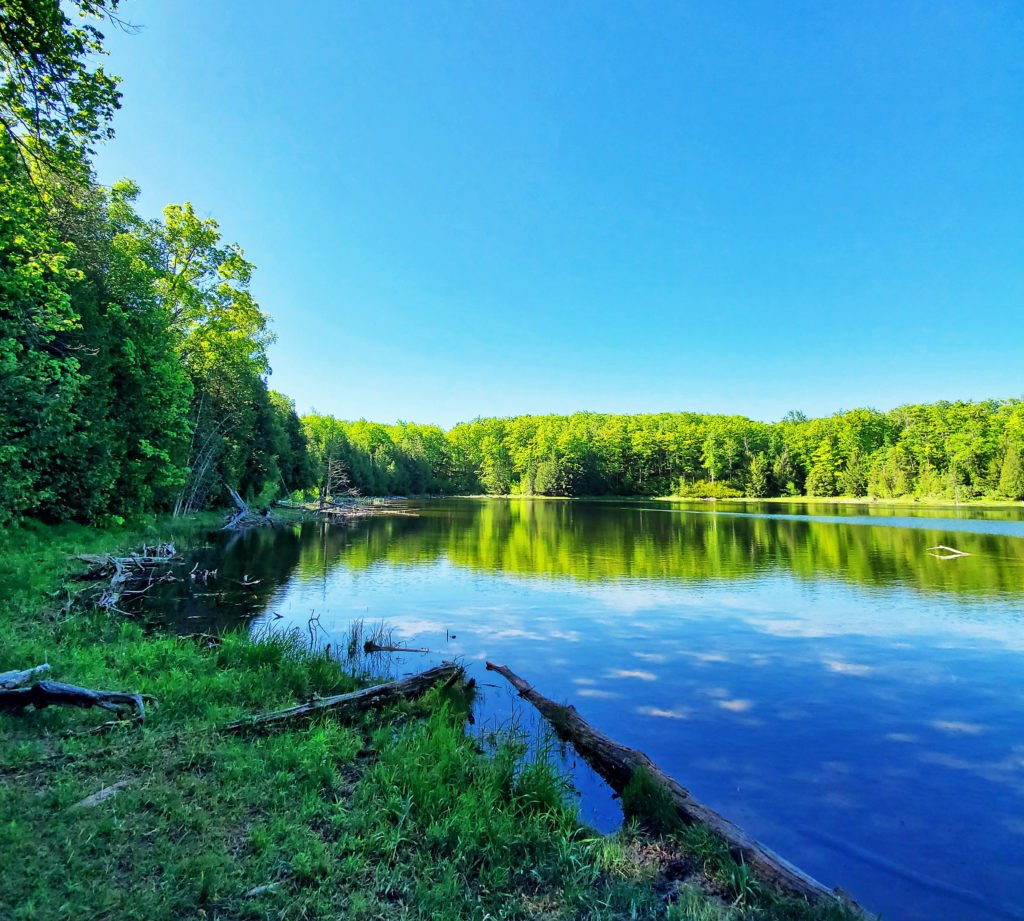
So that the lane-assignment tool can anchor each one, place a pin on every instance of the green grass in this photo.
(400, 815)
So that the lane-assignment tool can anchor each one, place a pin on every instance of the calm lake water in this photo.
(811, 672)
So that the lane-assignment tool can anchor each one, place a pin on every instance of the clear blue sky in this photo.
(462, 209)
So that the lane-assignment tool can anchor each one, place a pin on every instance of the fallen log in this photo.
(54, 693)
(16, 679)
(617, 764)
(358, 701)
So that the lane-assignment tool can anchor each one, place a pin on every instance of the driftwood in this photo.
(942, 552)
(54, 693)
(245, 518)
(135, 565)
(123, 570)
(338, 511)
(101, 796)
(10, 680)
(617, 764)
(349, 704)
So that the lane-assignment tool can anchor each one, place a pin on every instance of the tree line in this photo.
(133, 356)
(951, 450)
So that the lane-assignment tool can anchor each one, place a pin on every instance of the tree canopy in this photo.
(133, 356)
(944, 450)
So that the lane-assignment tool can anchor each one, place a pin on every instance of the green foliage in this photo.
(52, 102)
(759, 481)
(703, 489)
(1011, 473)
(942, 450)
(132, 354)
(647, 803)
(40, 376)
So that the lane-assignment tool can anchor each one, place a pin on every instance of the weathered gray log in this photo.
(617, 764)
(101, 796)
(16, 679)
(245, 518)
(54, 693)
(358, 701)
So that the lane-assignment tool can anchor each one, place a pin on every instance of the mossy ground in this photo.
(400, 815)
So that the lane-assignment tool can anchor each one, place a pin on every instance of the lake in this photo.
(813, 673)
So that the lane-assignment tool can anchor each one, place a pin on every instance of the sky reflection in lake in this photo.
(827, 685)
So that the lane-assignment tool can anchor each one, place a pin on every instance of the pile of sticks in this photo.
(130, 576)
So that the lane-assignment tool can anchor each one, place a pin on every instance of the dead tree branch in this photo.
(379, 695)
(9, 680)
(54, 693)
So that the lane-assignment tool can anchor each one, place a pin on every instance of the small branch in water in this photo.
(371, 646)
(942, 552)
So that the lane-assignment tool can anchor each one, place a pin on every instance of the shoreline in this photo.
(866, 501)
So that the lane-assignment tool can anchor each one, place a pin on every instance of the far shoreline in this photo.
(868, 501)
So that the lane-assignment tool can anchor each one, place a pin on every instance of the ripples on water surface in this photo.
(812, 673)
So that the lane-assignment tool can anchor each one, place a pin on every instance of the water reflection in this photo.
(851, 700)
(601, 541)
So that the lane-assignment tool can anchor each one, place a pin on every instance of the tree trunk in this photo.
(617, 764)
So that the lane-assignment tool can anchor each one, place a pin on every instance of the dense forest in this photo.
(133, 357)
(134, 366)
(957, 451)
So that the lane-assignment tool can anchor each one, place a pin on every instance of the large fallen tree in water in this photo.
(619, 765)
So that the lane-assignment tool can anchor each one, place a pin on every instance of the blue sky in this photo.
(520, 207)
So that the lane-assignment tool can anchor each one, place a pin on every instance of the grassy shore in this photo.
(400, 815)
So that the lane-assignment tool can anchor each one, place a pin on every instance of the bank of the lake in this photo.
(400, 815)
(867, 501)
(817, 502)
